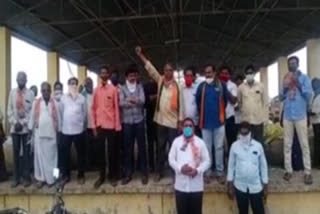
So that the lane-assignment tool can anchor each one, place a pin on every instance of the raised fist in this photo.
(138, 50)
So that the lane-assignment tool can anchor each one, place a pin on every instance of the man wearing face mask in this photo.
(73, 110)
(57, 91)
(231, 129)
(253, 103)
(211, 98)
(169, 110)
(247, 172)
(296, 93)
(132, 101)
(105, 117)
(189, 89)
(87, 92)
(19, 110)
(189, 158)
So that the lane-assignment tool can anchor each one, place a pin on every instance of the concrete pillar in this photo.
(82, 74)
(53, 67)
(282, 69)
(264, 79)
(5, 70)
(313, 57)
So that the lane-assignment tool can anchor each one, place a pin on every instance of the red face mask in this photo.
(188, 80)
(224, 77)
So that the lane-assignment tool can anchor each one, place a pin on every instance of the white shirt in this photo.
(189, 99)
(315, 108)
(73, 113)
(233, 89)
(179, 157)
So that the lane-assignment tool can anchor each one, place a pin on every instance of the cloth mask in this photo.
(131, 86)
(73, 89)
(57, 95)
(245, 138)
(209, 80)
(187, 132)
(188, 81)
(250, 78)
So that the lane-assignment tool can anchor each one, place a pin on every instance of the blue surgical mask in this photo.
(187, 132)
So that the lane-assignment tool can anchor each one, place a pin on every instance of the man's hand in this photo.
(18, 127)
(29, 135)
(193, 173)
(186, 169)
(133, 101)
(138, 50)
(265, 192)
(230, 190)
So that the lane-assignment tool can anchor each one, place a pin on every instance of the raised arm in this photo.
(152, 71)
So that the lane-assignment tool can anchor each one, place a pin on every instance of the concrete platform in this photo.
(158, 198)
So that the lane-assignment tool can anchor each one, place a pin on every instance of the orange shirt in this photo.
(105, 108)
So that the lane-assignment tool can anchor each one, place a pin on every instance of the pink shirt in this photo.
(105, 108)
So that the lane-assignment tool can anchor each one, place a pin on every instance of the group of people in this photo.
(192, 119)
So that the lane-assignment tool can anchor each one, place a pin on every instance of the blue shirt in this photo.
(247, 168)
(296, 108)
(211, 104)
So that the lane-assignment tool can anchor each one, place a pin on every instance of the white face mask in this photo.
(209, 80)
(58, 95)
(131, 86)
(73, 89)
(245, 138)
(250, 78)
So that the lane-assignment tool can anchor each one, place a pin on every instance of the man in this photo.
(57, 91)
(211, 98)
(231, 129)
(19, 109)
(247, 172)
(73, 109)
(87, 92)
(189, 158)
(253, 103)
(189, 89)
(238, 80)
(34, 89)
(315, 118)
(296, 93)
(105, 117)
(3, 169)
(169, 109)
(150, 91)
(132, 100)
(45, 123)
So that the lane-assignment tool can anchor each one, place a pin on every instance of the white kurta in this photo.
(45, 144)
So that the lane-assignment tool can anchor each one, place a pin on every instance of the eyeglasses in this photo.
(191, 126)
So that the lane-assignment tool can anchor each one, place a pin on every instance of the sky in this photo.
(33, 60)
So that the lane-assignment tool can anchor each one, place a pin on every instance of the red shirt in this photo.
(105, 108)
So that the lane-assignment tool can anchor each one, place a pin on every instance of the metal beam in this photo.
(182, 14)
(26, 10)
(84, 11)
(242, 30)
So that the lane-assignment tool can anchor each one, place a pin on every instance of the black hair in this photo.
(249, 67)
(73, 78)
(188, 119)
(133, 68)
(46, 83)
(239, 77)
(293, 58)
(244, 125)
(191, 68)
(58, 83)
(171, 64)
(212, 66)
(225, 67)
(106, 67)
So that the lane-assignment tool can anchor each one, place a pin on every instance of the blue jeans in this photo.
(215, 137)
